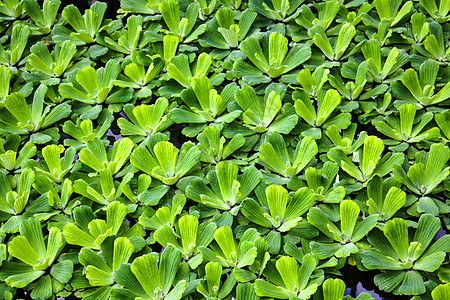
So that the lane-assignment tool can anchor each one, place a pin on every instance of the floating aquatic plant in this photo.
(224, 149)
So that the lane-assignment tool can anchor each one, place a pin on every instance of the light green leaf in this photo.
(21, 249)
(349, 212)
(277, 198)
(146, 270)
(188, 232)
(255, 213)
(333, 289)
(265, 289)
(62, 271)
(374, 260)
(225, 240)
(287, 267)
(396, 231)
(372, 150)
(123, 249)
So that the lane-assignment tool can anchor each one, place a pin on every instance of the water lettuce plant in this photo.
(224, 149)
(403, 258)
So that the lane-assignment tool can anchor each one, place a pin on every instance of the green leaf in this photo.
(225, 240)
(333, 289)
(266, 289)
(17, 106)
(246, 292)
(19, 39)
(274, 153)
(430, 263)
(349, 211)
(177, 291)
(277, 49)
(363, 228)
(412, 284)
(75, 236)
(396, 231)
(170, 11)
(441, 292)
(152, 196)
(394, 200)
(434, 169)
(345, 36)
(5, 77)
(323, 251)
(300, 203)
(427, 228)
(320, 220)
(21, 249)
(374, 260)
(22, 279)
(31, 230)
(167, 155)
(307, 268)
(252, 49)
(372, 150)
(327, 105)
(146, 270)
(411, 81)
(43, 288)
(98, 277)
(247, 258)
(62, 271)
(255, 213)
(188, 232)
(125, 277)
(304, 153)
(55, 244)
(321, 40)
(87, 78)
(389, 281)
(170, 259)
(226, 176)
(277, 198)
(88, 257)
(371, 51)
(164, 235)
(123, 249)
(52, 158)
(287, 267)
